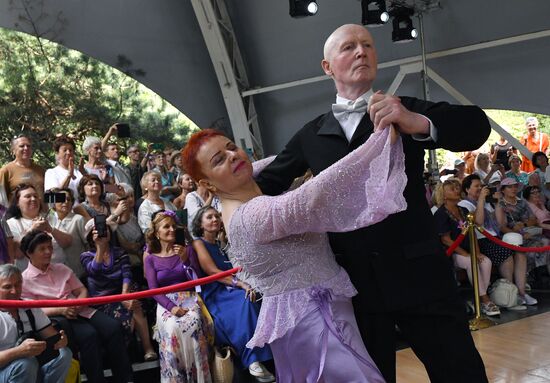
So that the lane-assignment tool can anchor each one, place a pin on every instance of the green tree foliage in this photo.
(47, 90)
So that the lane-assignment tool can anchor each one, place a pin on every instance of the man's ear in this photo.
(326, 67)
(207, 185)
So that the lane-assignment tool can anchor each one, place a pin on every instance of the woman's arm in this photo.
(207, 263)
(480, 208)
(359, 190)
(447, 241)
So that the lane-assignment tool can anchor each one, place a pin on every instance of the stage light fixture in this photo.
(403, 29)
(303, 8)
(374, 13)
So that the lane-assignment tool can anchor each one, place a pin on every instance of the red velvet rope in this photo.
(116, 298)
(455, 244)
(520, 249)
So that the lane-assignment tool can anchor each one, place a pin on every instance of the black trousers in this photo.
(93, 336)
(438, 334)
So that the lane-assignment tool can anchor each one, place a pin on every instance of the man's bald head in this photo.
(337, 36)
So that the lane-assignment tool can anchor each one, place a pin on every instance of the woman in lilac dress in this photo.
(281, 243)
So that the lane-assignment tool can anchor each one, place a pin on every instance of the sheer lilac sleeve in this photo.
(361, 189)
(152, 282)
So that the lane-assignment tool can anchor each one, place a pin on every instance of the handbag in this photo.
(504, 293)
(222, 365)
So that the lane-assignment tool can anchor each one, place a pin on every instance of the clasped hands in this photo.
(387, 110)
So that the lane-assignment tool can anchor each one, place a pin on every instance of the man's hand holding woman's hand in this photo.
(385, 110)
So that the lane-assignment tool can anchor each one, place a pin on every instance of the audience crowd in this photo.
(509, 203)
(105, 225)
(101, 225)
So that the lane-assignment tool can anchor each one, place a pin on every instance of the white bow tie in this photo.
(343, 110)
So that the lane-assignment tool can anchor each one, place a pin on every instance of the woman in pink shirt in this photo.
(89, 330)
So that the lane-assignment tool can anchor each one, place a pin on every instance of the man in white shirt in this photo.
(18, 362)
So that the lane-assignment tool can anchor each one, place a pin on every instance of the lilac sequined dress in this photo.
(282, 245)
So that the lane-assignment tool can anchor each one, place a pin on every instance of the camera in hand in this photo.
(123, 130)
(100, 224)
(490, 197)
(51, 197)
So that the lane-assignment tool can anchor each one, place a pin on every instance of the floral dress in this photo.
(183, 341)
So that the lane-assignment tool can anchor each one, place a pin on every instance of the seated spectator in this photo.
(182, 328)
(476, 201)
(90, 194)
(95, 164)
(169, 186)
(151, 184)
(89, 330)
(187, 185)
(21, 170)
(108, 270)
(515, 171)
(7, 245)
(450, 219)
(540, 161)
(533, 196)
(24, 210)
(514, 216)
(64, 219)
(128, 234)
(17, 361)
(197, 199)
(64, 175)
(234, 315)
(487, 172)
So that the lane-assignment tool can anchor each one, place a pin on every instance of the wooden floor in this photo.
(514, 352)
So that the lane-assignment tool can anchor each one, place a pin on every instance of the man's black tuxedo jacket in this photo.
(399, 262)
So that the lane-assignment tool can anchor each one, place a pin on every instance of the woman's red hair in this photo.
(190, 151)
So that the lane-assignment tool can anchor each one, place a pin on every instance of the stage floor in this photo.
(513, 352)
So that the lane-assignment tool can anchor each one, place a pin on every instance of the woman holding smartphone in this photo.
(183, 325)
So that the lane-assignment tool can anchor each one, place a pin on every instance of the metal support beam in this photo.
(224, 52)
(412, 59)
(464, 101)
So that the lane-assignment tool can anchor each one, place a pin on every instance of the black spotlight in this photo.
(303, 8)
(374, 12)
(403, 30)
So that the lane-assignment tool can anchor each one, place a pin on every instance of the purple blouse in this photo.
(166, 271)
(107, 279)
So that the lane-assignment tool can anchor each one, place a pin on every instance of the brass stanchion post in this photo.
(478, 322)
